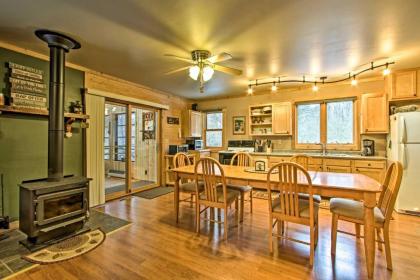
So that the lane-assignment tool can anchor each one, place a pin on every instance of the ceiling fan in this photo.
(203, 66)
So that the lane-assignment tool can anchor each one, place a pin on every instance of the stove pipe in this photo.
(59, 45)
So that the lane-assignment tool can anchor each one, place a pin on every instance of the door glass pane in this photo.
(114, 148)
(309, 123)
(340, 122)
(214, 138)
(144, 155)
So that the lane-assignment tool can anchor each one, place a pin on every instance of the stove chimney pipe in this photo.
(59, 45)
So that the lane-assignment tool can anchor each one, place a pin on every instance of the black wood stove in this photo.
(58, 206)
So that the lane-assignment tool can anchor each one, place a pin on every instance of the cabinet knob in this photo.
(368, 164)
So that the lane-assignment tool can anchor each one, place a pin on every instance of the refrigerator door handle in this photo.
(404, 156)
(403, 139)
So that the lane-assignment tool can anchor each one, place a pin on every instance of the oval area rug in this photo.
(68, 249)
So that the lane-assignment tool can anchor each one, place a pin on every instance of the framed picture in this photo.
(239, 125)
(259, 165)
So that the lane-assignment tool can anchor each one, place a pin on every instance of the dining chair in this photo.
(303, 160)
(283, 180)
(185, 186)
(353, 211)
(215, 194)
(245, 160)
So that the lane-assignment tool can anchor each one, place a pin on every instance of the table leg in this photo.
(369, 232)
(176, 196)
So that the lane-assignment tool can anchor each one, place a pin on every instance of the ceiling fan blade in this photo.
(228, 70)
(177, 70)
(219, 57)
(189, 60)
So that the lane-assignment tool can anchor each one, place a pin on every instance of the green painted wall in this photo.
(23, 138)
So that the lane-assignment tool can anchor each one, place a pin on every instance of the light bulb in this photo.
(386, 71)
(249, 90)
(207, 73)
(354, 82)
(194, 72)
(315, 88)
(274, 87)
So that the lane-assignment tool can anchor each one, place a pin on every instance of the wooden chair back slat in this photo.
(287, 187)
(181, 160)
(301, 159)
(390, 188)
(242, 159)
(212, 184)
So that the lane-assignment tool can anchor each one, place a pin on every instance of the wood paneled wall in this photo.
(170, 133)
(238, 106)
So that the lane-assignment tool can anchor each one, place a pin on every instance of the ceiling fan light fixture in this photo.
(208, 72)
(194, 71)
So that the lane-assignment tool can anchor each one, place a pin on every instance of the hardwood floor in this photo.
(154, 247)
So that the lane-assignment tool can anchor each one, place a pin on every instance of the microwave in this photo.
(174, 149)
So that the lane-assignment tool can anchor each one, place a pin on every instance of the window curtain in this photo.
(95, 165)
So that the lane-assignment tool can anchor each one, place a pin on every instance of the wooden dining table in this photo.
(328, 184)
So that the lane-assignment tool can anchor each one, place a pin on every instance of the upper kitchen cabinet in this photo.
(374, 113)
(403, 85)
(282, 118)
(192, 124)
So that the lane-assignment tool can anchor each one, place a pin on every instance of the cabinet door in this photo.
(373, 173)
(282, 118)
(404, 85)
(195, 124)
(338, 169)
(374, 113)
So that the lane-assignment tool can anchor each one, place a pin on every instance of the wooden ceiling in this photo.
(267, 38)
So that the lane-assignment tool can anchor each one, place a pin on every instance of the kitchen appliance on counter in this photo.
(235, 146)
(404, 146)
(174, 149)
(195, 144)
(368, 147)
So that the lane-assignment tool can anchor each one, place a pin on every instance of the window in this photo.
(309, 123)
(214, 129)
(340, 126)
(331, 122)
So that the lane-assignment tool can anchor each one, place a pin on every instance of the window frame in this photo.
(323, 126)
(222, 129)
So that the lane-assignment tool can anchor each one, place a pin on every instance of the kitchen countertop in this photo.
(342, 155)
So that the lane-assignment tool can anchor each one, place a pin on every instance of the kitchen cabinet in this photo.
(282, 118)
(337, 165)
(403, 85)
(192, 124)
(374, 113)
(373, 169)
(275, 160)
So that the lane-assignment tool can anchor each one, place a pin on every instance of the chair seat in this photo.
(353, 209)
(231, 195)
(239, 188)
(303, 207)
(189, 187)
(317, 198)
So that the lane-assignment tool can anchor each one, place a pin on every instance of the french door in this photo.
(131, 149)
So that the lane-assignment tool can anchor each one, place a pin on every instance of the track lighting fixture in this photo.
(275, 83)
(354, 81)
(274, 87)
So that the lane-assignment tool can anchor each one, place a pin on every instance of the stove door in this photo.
(60, 205)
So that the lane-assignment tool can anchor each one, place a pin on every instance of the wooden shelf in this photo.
(260, 124)
(37, 112)
(261, 115)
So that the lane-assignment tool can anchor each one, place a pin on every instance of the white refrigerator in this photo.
(404, 145)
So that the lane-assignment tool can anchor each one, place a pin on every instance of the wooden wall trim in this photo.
(126, 98)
